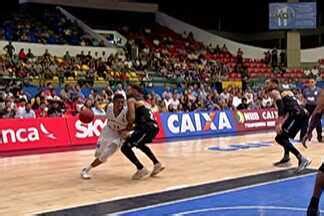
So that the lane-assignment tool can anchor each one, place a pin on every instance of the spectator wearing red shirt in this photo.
(22, 55)
(41, 111)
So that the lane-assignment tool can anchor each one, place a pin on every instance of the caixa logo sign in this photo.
(196, 123)
(89, 130)
(23, 135)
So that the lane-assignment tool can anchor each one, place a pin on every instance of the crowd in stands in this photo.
(181, 57)
(87, 66)
(175, 56)
(278, 61)
(193, 65)
(50, 27)
(70, 100)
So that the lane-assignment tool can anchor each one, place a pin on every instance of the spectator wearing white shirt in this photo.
(26, 112)
(166, 92)
(167, 101)
(249, 97)
(236, 101)
(266, 101)
(120, 90)
(225, 95)
(97, 109)
(174, 103)
(315, 71)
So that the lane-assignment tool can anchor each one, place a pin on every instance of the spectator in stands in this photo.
(120, 90)
(267, 101)
(9, 109)
(267, 58)
(154, 104)
(97, 109)
(315, 72)
(244, 104)
(26, 112)
(30, 55)
(67, 56)
(174, 103)
(10, 49)
(225, 50)
(283, 59)
(239, 56)
(167, 101)
(286, 85)
(22, 55)
(56, 107)
(274, 58)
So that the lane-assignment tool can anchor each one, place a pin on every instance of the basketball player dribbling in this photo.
(145, 130)
(113, 134)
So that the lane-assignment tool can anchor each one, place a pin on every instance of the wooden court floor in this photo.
(37, 183)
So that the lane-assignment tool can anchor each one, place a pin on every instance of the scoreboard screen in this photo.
(292, 15)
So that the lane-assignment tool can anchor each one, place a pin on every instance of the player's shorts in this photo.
(108, 143)
(294, 124)
(142, 134)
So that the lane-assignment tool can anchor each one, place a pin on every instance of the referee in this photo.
(310, 94)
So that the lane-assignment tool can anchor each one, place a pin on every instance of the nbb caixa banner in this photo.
(197, 123)
(41, 133)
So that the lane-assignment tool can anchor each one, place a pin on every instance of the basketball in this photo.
(86, 116)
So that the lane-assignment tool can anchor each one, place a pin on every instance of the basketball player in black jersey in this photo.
(319, 182)
(145, 129)
(292, 117)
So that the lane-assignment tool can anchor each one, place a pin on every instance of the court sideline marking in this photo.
(211, 194)
(167, 189)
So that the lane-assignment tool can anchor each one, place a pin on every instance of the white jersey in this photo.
(119, 122)
(110, 139)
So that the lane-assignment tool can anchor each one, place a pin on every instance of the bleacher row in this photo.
(54, 28)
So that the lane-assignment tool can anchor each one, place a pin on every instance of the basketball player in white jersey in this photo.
(113, 134)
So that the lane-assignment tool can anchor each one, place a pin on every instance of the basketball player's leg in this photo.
(127, 150)
(318, 187)
(152, 131)
(290, 128)
(280, 140)
(285, 159)
(138, 139)
(319, 131)
(106, 147)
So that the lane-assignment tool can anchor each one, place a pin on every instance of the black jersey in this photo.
(291, 106)
(143, 115)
